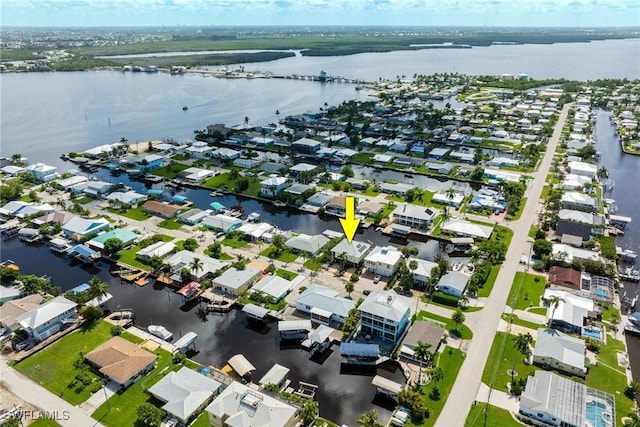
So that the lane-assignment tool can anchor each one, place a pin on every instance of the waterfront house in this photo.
(225, 154)
(199, 150)
(130, 198)
(277, 375)
(161, 209)
(68, 184)
(271, 186)
(234, 282)
(297, 189)
(382, 159)
(149, 162)
(370, 208)
(397, 189)
(461, 228)
(384, 314)
(77, 228)
(302, 168)
(185, 393)
(193, 216)
(560, 351)
(306, 146)
(353, 252)
(453, 283)
(422, 274)
(121, 362)
(255, 232)
(60, 217)
(575, 182)
(239, 405)
(42, 172)
(13, 207)
(579, 223)
(275, 288)
(438, 153)
(317, 201)
(383, 260)
(11, 170)
(310, 245)
(13, 306)
(444, 199)
(579, 201)
(566, 253)
(220, 222)
(196, 175)
(159, 249)
(566, 279)
(184, 259)
(422, 331)
(337, 205)
(584, 169)
(325, 305)
(555, 401)
(413, 216)
(127, 237)
(572, 314)
(47, 319)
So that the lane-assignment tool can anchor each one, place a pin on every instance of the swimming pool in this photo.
(598, 414)
(601, 293)
(592, 333)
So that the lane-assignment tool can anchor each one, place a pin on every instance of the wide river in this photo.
(46, 114)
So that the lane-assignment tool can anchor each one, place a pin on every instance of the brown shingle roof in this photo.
(565, 277)
(161, 208)
(426, 332)
(120, 359)
(12, 309)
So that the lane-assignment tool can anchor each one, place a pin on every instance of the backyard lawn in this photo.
(526, 291)
(286, 274)
(170, 171)
(234, 242)
(496, 417)
(202, 421)
(170, 224)
(462, 330)
(501, 360)
(53, 368)
(285, 255)
(137, 214)
(128, 256)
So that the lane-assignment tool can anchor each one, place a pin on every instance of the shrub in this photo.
(445, 299)
(116, 330)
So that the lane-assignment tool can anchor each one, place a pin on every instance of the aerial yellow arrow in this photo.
(350, 222)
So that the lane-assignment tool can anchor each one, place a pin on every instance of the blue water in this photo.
(601, 293)
(594, 414)
(591, 333)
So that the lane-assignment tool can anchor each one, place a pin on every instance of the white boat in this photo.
(253, 217)
(629, 255)
(160, 332)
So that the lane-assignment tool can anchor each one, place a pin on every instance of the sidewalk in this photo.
(500, 399)
(62, 411)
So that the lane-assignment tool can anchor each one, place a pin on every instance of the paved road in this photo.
(485, 323)
(65, 413)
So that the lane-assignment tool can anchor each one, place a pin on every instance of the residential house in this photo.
(162, 209)
(239, 405)
(185, 393)
(383, 260)
(575, 182)
(324, 305)
(579, 223)
(224, 223)
(150, 162)
(302, 168)
(47, 319)
(121, 362)
(95, 189)
(199, 150)
(565, 278)
(196, 175)
(370, 208)
(310, 245)
(306, 146)
(422, 331)
(560, 351)
(397, 189)
(193, 216)
(584, 169)
(384, 314)
(226, 154)
(572, 314)
(337, 205)
(579, 201)
(275, 288)
(13, 306)
(68, 183)
(42, 172)
(184, 259)
(130, 197)
(438, 153)
(453, 283)
(60, 217)
(422, 274)
(271, 186)
(234, 281)
(159, 249)
(566, 253)
(77, 228)
(127, 237)
(462, 228)
(353, 252)
(414, 216)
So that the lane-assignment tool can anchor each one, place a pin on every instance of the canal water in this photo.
(342, 396)
(624, 177)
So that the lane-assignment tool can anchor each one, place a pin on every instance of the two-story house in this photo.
(42, 172)
(384, 314)
(271, 186)
(47, 319)
(414, 216)
(384, 260)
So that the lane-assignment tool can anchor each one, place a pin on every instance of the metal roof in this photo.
(387, 384)
(294, 325)
(241, 365)
(358, 349)
(255, 311)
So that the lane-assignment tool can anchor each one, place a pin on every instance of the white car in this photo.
(376, 279)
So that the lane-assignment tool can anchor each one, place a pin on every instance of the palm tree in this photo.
(196, 265)
(603, 172)
(246, 121)
(309, 412)
(633, 420)
(463, 301)
(523, 341)
(278, 115)
(343, 261)
(458, 318)
(422, 353)
(554, 302)
(278, 243)
(97, 289)
(349, 287)
(369, 419)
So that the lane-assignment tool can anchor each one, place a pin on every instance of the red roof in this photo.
(189, 288)
(565, 277)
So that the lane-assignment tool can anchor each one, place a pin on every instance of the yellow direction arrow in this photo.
(350, 222)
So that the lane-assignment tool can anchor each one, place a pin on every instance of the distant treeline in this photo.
(199, 60)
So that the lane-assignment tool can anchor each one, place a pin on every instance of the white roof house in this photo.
(71, 181)
(383, 260)
(234, 281)
(160, 249)
(309, 244)
(318, 299)
(129, 197)
(584, 169)
(48, 318)
(184, 392)
(577, 216)
(567, 253)
(571, 310)
(240, 406)
(273, 185)
(549, 396)
(465, 228)
(222, 222)
(414, 216)
(578, 200)
(274, 286)
(83, 226)
(183, 259)
(453, 283)
(354, 251)
(558, 350)
(575, 182)
(255, 231)
(384, 314)
(422, 274)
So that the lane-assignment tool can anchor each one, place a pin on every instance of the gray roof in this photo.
(234, 278)
(416, 212)
(275, 375)
(561, 347)
(50, 310)
(559, 397)
(424, 331)
(306, 243)
(386, 304)
(184, 391)
(326, 299)
(354, 249)
(578, 216)
(455, 280)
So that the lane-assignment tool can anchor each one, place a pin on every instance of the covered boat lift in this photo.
(294, 329)
(183, 344)
(241, 365)
(190, 291)
(277, 375)
(359, 354)
(319, 339)
(386, 386)
(255, 312)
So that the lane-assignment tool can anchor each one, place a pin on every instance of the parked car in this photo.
(366, 292)
(376, 279)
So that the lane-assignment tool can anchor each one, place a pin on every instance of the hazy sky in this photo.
(320, 12)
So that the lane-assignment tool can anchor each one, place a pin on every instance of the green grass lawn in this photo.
(371, 192)
(234, 242)
(450, 360)
(170, 171)
(83, 200)
(466, 309)
(525, 291)
(285, 256)
(223, 255)
(128, 256)
(363, 158)
(501, 359)
(495, 417)
(170, 224)
(425, 200)
(42, 422)
(286, 274)
(312, 264)
(538, 310)
(521, 322)
(53, 367)
(485, 291)
(532, 231)
(137, 214)
(201, 421)
(463, 330)
(518, 214)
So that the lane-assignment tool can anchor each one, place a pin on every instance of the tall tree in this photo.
(196, 265)
(458, 318)
(523, 341)
(424, 355)
(554, 302)
(369, 419)
(97, 289)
